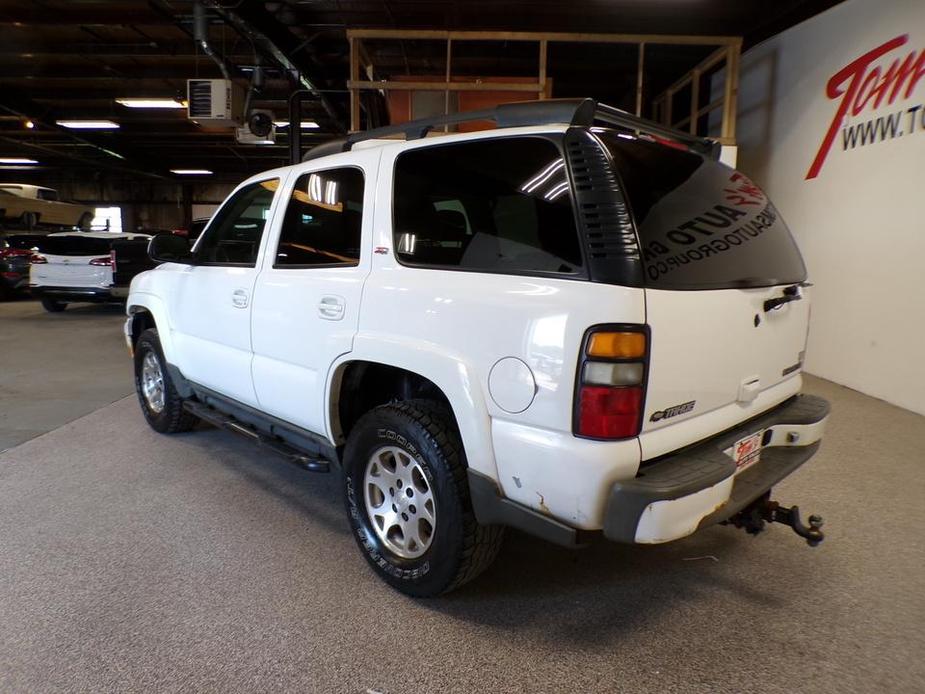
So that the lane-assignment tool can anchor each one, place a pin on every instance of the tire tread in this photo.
(481, 543)
(178, 419)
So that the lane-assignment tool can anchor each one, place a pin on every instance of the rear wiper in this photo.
(790, 294)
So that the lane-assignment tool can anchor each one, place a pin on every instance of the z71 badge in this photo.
(672, 411)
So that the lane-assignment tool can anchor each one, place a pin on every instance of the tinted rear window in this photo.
(24, 241)
(702, 225)
(73, 245)
(494, 205)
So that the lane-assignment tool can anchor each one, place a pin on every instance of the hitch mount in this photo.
(753, 518)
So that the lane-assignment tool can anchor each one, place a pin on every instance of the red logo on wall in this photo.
(860, 86)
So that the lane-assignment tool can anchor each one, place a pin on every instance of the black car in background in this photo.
(195, 230)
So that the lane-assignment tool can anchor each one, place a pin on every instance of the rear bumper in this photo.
(685, 491)
(89, 294)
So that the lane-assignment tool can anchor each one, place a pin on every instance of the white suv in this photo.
(576, 324)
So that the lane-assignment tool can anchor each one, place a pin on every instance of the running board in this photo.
(223, 421)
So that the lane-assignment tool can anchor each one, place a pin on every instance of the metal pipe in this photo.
(295, 125)
(256, 84)
(201, 36)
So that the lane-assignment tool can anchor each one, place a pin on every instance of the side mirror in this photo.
(170, 248)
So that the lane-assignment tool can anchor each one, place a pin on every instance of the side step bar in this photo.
(290, 454)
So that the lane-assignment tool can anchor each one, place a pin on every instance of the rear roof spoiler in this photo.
(579, 112)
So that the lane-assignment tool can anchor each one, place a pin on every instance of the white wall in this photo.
(860, 221)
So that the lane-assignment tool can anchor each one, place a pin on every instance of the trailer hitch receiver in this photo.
(753, 518)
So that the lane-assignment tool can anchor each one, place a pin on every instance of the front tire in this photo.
(408, 501)
(53, 306)
(160, 403)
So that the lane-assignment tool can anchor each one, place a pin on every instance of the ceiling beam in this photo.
(28, 14)
(103, 147)
(151, 49)
(256, 24)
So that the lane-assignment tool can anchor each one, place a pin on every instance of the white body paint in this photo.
(502, 348)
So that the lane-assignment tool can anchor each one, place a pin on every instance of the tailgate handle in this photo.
(790, 294)
(749, 389)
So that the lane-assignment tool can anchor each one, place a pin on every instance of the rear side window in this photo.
(323, 220)
(233, 237)
(496, 205)
(702, 225)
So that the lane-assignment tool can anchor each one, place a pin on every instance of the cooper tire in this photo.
(53, 306)
(419, 437)
(164, 412)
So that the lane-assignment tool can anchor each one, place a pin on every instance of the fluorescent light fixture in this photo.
(150, 103)
(17, 160)
(306, 124)
(88, 124)
(191, 172)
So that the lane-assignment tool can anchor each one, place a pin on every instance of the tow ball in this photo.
(753, 518)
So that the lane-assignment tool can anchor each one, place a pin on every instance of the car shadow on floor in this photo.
(73, 312)
(605, 590)
(316, 496)
(583, 595)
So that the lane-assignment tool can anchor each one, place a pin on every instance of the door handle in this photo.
(239, 298)
(331, 307)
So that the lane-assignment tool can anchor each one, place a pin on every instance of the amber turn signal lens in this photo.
(617, 345)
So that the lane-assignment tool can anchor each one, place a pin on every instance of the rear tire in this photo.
(30, 220)
(53, 306)
(160, 403)
(400, 458)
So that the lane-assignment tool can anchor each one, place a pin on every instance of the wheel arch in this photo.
(357, 384)
(147, 311)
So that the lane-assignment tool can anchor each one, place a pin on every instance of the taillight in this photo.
(610, 392)
(105, 261)
(38, 259)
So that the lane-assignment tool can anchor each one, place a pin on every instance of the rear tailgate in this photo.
(73, 260)
(70, 271)
(718, 358)
(725, 297)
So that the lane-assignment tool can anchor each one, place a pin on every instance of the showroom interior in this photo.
(146, 543)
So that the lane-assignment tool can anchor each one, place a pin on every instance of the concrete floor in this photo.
(131, 561)
(51, 372)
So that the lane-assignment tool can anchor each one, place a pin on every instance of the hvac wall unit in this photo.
(215, 102)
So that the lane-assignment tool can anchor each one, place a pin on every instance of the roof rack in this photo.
(581, 112)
